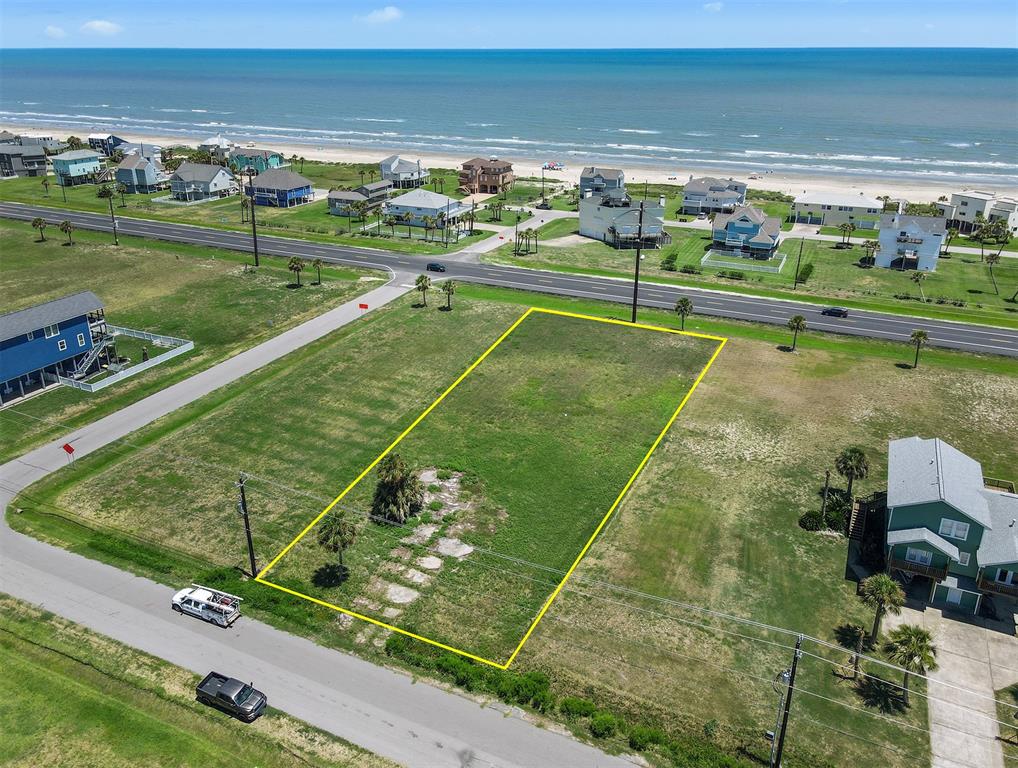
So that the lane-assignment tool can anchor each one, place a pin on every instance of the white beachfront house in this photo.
(967, 207)
(404, 174)
(910, 242)
(594, 180)
(710, 195)
(217, 146)
(832, 209)
(613, 217)
(201, 181)
(419, 204)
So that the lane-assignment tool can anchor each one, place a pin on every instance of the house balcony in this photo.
(930, 571)
(989, 585)
(911, 240)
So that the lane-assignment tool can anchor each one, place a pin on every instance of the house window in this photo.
(30, 335)
(954, 529)
(963, 558)
(51, 331)
(964, 202)
(920, 556)
(62, 345)
(81, 339)
(1005, 576)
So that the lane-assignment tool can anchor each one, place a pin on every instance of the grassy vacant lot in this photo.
(1006, 714)
(546, 432)
(74, 698)
(836, 274)
(191, 292)
(712, 521)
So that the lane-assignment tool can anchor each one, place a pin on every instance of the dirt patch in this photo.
(400, 595)
(421, 534)
(453, 548)
(429, 562)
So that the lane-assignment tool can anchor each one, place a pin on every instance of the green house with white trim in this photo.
(948, 524)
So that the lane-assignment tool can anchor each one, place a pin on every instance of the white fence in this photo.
(176, 346)
(747, 264)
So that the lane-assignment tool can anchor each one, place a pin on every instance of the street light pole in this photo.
(795, 277)
(113, 220)
(636, 278)
(776, 762)
(254, 226)
(242, 509)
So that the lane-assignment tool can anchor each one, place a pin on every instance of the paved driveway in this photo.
(980, 657)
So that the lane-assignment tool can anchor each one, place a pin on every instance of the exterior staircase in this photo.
(92, 356)
(857, 521)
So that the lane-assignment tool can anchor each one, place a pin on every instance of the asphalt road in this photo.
(385, 711)
(952, 335)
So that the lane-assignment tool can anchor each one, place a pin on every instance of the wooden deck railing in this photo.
(933, 572)
(989, 585)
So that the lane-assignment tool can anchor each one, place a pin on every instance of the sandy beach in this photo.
(791, 184)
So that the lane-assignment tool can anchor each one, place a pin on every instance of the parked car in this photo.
(435, 267)
(834, 311)
(239, 699)
(214, 606)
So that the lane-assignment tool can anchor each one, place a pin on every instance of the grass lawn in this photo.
(192, 292)
(837, 275)
(969, 242)
(1006, 714)
(711, 521)
(75, 698)
(858, 235)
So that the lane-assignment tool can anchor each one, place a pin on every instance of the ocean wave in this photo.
(749, 135)
(636, 130)
(697, 133)
(483, 125)
(959, 144)
(375, 119)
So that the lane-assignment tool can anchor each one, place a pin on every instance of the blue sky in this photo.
(515, 24)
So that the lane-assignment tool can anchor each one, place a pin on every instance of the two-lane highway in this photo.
(942, 333)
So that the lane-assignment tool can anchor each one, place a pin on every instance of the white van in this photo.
(206, 603)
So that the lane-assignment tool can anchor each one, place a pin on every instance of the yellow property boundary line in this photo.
(260, 578)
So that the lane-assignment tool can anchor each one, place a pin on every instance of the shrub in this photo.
(811, 520)
(603, 724)
(668, 262)
(836, 517)
(434, 488)
(805, 271)
(690, 269)
(710, 729)
(643, 736)
(443, 474)
(574, 706)
(522, 689)
(732, 274)
(543, 702)
(434, 505)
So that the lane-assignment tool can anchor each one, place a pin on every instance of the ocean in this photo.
(942, 115)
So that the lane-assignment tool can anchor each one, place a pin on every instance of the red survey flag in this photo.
(68, 448)
(363, 306)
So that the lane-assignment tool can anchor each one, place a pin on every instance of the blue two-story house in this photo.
(63, 337)
(746, 232)
(78, 166)
(280, 188)
(258, 160)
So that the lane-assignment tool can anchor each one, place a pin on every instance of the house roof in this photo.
(133, 161)
(924, 471)
(605, 173)
(280, 178)
(839, 198)
(706, 184)
(1000, 546)
(491, 162)
(203, 172)
(396, 164)
(33, 150)
(48, 313)
(346, 195)
(78, 154)
(101, 136)
(770, 226)
(216, 141)
(422, 198)
(923, 536)
(376, 186)
(252, 152)
(933, 225)
(978, 194)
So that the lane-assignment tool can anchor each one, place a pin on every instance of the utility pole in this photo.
(113, 220)
(827, 488)
(776, 761)
(795, 277)
(242, 509)
(254, 226)
(636, 279)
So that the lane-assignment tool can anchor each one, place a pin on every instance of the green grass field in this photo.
(203, 294)
(74, 698)
(712, 521)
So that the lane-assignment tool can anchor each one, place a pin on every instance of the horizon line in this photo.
(521, 49)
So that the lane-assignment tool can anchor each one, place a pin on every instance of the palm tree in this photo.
(293, 159)
(245, 206)
(919, 338)
(390, 222)
(846, 232)
(980, 230)
(45, 185)
(423, 284)
(399, 493)
(912, 648)
(408, 219)
(371, 175)
(683, 308)
(991, 260)
(362, 172)
(122, 189)
(884, 595)
(67, 228)
(73, 142)
(301, 158)
(317, 264)
(429, 225)
(40, 224)
(296, 265)
(448, 288)
(852, 465)
(336, 534)
(951, 234)
(871, 246)
(796, 325)
(917, 277)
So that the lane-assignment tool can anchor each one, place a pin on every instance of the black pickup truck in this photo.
(232, 696)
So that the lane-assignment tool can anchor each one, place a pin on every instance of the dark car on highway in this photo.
(232, 696)
(835, 312)
(436, 267)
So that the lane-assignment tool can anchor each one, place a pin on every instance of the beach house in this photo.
(404, 174)
(710, 195)
(279, 188)
(218, 147)
(485, 177)
(613, 217)
(594, 180)
(192, 182)
(77, 166)
(746, 232)
(45, 140)
(832, 209)
(966, 209)
(949, 525)
(416, 207)
(910, 242)
(47, 340)
(346, 202)
(16, 160)
(104, 143)
(141, 174)
(260, 160)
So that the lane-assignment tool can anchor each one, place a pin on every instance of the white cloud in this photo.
(384, 15)
(102, 27)
(55, 33)
(713, 7)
